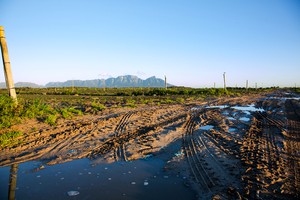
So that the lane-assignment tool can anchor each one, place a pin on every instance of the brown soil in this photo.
(234, 159)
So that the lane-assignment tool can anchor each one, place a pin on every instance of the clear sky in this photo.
(192, 42)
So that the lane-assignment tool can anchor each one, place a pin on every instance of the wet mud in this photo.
(228, 148)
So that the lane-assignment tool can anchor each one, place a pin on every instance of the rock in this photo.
(73, 193)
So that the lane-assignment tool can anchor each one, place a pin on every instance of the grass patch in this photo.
(97, 106)
(10, 138)
(51, 119)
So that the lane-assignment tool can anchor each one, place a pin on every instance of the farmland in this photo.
(234, 144)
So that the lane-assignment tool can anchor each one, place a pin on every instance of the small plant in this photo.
(180, 100)
(68, 113)
(97, 106)
(10, 138)
(37, 108)
(130, 103)
(169, 101)
(9, 111)
(51, 119)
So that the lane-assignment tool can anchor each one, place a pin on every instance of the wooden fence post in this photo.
(12, 182)
(6, 64)
(224, 77)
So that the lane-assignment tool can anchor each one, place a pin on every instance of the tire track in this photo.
(112, 142)
(120, 151)
(198, 170)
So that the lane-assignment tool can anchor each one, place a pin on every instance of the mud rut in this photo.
(258, 160)
(210, 160)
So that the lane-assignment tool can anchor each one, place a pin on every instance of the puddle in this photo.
(79, 179)
(232, 130)
(206, 127)
(248, 109)
(285, 98)
(245, 119)
(218, 106)
(247, 112)
(231, 118)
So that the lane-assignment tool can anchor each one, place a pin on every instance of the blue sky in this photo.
(192, 42)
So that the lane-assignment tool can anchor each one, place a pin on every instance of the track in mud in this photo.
(229, 153)
(206, 159)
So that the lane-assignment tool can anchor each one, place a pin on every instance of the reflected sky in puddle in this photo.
(232, 130)
(248, 109)
(231, 118)
(245, 119)
(217, 106)
(103, 181)
(285, 98)
(206, 127)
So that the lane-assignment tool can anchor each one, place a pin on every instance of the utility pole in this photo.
(166, 82)
(246, 84)
(224, 80)
(6, 64)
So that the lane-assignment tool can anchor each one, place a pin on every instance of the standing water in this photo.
(80, 179)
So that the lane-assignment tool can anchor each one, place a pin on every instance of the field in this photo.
(234, 144)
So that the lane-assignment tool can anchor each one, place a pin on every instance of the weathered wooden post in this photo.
(166, 82)
(6, 64)
(224, 81)
(12, 182)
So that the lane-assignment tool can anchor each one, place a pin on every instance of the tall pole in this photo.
(166, 82)
(6, 64)
(246, 84)
(224, 80)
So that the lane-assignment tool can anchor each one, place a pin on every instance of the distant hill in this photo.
(22, 84)
(119, 82)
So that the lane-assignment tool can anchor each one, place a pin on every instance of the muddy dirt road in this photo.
(231, 148)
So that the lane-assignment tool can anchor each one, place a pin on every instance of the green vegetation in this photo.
(9, 111)
(50, 104)
(97, 106)
(12, 112)
(51, 119)
(68, 113)
(10, 138)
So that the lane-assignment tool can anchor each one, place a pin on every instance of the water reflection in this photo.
(140, 179)
(12, 182)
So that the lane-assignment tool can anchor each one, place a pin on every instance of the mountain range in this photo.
(118, 82)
